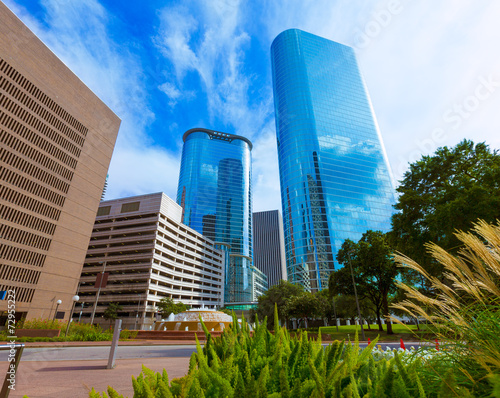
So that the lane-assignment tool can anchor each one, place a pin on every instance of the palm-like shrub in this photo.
(464, 310)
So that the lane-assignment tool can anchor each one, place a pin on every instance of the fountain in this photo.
(190, 321)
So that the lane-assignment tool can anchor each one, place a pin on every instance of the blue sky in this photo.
(432, 70)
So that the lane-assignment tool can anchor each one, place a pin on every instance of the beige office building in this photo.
(56, 142)
(146, 253)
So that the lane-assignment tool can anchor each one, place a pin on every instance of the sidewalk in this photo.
(74, 379)
(106, 343)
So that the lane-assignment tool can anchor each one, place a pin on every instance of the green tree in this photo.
(167, 306)
(373, 269)
(346, 307)
(443, 193)
(304, 306)
(111, 312)
(277, 294)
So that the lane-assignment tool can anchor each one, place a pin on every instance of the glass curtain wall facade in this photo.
(334, 173)
(214, 192)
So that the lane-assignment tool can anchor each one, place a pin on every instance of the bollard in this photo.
(114, 344)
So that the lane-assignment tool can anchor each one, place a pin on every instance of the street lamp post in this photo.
(357, 301)
(137, 315)
(80, 316)
(58, 302)
(98, 293)
(75, 299)
(335, 314)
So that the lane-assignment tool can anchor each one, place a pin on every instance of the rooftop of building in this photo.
(217, 135)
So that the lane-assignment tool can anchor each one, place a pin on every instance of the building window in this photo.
(104, 211)
(128, 207)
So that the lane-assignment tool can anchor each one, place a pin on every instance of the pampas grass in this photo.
(465, 307)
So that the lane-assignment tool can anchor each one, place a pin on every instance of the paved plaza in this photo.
(46, 377)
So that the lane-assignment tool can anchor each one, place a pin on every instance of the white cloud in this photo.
(420, 59)
(265, 171)
(170, 90)
(78, 33)
(429, 60)
(148, 170)
(217, 56)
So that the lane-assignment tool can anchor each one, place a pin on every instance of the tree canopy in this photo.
(443, 193)
(167, 306)
(111, 312)
(373, 269)
(305, 306)
(278, 294)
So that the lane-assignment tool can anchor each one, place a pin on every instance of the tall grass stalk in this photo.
(465, 307)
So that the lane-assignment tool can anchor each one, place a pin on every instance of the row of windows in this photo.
(40, 127)
(44, 99)
(31, 186)
(298, 156)
(47, 116)
(19, 274)
(176, 228)
(26, 220)
(24, 237)
(182, 298)
(28, 202)
(32, 170)
(35, 155)
(22, 256)
(201, 281)
(37, 140)
(23, 294)
(195, 265)
(180, 247)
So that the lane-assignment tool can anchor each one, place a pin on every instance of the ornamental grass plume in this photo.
(465, 307)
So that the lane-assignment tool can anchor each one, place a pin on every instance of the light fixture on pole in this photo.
(357, 301)
(75, 299)
(58, 302)
(100, 281)
(335, 313)
(80, 316)
(137, 315)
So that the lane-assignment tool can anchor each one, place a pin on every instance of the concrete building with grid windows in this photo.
(146, 253)
(56, 142)
(269, 245)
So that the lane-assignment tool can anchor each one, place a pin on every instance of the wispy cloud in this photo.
(266, 184)
(214, 49)
(116, 75)
(427, 61)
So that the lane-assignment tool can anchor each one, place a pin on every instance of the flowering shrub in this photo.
(39, 323)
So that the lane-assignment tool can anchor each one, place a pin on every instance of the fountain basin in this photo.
(190, 321)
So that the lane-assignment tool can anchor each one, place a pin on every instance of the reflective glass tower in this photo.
(215, 193)
(334, 173)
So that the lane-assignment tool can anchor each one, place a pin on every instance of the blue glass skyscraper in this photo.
(334, 173)
(215, 193)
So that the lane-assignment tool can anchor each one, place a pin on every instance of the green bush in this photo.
(77, 331)
(88, 332)
(126, 334)
(39, 323)
(241, 364)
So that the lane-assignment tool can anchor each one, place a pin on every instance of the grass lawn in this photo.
(405, 332)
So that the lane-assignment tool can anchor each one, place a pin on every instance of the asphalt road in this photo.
(128, 352)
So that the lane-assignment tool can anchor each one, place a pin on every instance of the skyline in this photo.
(166, 68)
